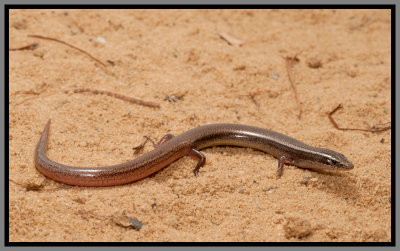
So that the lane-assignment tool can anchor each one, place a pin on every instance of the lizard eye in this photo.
(331, 162)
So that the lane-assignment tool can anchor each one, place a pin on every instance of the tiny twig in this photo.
(290, 61)
(140, 147)
(34, 187)
(27, 92)
(30, 92)
(152, 141)
(119, 96)
(25, 100)
(230, 39)
(26, 47)
(252, 97)
(374, 128)
(70, 45)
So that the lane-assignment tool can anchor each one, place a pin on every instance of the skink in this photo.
(287, 150)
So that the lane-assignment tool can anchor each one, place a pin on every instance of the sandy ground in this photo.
(178, 59)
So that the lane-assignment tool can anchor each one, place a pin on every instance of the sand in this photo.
(201, 67)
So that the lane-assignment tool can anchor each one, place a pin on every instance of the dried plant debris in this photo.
(290, 62)
(139, 148)
(128, 222)
(120, 220)
(374, 128)
(70, 45)
(26, 47)
(230, 39)
(118, 96)
(173, 98)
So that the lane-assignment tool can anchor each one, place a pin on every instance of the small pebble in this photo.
(101, 40)
(135, 223)
(305, 180)
(314, 63)
(274, 75)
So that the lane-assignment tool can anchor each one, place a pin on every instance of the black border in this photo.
(7, 7)
(198, 6)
